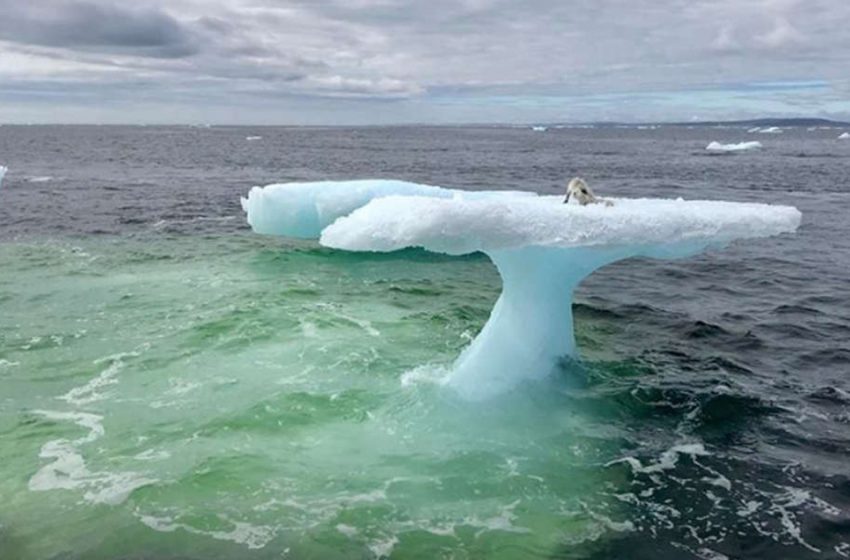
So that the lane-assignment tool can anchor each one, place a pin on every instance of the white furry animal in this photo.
(577, 189)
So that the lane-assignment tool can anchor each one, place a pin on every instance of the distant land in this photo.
(802, 122)
(767, 122)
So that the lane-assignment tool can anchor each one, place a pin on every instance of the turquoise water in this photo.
(236, 396)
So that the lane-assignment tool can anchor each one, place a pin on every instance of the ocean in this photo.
(173, 385)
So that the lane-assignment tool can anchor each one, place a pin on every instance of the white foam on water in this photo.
(181, 386)
(90, 392)
(425, 374)
(309, 329)
(346, 530)
(501, 521)
(666, 461)
(251, 536)
(382, 548)
(152, 455)
(67, 469)
(608, 523)
(364, 324)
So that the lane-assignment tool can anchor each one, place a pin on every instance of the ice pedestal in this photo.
(531, 325)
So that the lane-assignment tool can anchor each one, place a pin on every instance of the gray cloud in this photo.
(94, 26)
(442, 60)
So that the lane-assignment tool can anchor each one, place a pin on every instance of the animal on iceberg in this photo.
(541, 247)
(579, 193)
(717, 147)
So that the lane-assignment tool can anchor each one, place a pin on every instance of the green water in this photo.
(241, 397)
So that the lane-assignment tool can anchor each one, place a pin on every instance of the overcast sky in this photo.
(431, 61)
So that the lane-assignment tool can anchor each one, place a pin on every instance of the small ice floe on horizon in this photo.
(717, 147)
(39, 179)
(769, 130)
(539, 128)
(844, 136)
(253, 138)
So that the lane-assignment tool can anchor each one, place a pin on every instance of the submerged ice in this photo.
(541, 248)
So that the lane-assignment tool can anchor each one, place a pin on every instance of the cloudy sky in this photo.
(431, 61)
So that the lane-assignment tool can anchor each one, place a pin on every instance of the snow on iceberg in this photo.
(303, 210)
(541, 247)
(717, 147)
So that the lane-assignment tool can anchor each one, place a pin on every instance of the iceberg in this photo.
(541, 247)
(842, 136)
(539, 128)
(770, 130)
(717, 147)
(3, 171)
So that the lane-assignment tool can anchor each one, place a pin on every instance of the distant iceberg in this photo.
(3, 171)
(767, 130)
(253, 138)
(844, 136)
(542, 248)
(717, 147)
(539, 128)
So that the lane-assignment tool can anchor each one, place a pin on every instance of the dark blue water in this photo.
(746, 350)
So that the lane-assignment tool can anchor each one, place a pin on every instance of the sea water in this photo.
(173, 385)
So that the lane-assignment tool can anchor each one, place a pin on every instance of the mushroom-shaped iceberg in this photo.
(541, 247)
